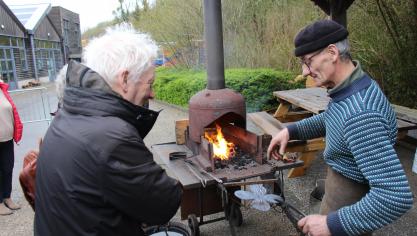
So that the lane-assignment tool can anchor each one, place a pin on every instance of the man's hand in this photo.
(281, 140)
(314, 225)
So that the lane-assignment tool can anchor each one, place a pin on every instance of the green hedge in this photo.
(177, 86)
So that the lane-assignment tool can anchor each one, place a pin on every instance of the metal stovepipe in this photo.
(213, 35)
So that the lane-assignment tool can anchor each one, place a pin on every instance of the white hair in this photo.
(343, 47)
(60, 83)
(120, 48)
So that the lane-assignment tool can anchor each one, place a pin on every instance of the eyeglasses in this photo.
(308, 61)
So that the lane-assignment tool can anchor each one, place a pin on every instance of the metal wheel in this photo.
(171, 229)
(193, 224)
(235, 215)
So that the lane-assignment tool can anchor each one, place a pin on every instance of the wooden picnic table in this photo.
(316, 100)
(308, 149)
(298, 104)
(312, 101)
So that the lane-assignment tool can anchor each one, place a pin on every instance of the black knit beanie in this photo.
(318, 35)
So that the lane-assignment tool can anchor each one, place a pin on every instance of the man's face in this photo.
(319, 66)
(140, 91)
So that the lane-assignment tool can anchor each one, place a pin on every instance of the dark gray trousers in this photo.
(6, 168)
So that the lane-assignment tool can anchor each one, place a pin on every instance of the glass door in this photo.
(51, 66)
(7, 66)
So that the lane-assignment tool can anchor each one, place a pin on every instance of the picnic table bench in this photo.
(298, 104)
(315, 101)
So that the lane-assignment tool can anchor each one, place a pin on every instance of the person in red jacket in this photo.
(10, 129)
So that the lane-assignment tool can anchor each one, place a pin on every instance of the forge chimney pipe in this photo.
(213, 35)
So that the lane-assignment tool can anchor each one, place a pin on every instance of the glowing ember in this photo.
(222, 149)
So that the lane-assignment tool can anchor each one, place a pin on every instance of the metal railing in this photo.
(32, 104)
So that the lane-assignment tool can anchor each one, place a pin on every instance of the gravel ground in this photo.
(254, 223)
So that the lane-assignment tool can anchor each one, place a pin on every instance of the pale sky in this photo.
(91, 12)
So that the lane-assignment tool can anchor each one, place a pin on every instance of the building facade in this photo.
(68, 25)
(13, 53)
(34, 42)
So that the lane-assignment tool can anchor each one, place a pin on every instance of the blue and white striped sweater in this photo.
(360, 128)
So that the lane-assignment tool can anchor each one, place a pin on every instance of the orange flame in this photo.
(222, 149)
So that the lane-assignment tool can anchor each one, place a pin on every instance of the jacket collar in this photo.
(88, 94)
(354, 87)
(356, 74)
(79, 75)
(4, 86)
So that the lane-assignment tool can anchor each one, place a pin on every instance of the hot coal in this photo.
(240, 161)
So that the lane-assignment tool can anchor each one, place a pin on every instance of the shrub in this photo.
(177, 86)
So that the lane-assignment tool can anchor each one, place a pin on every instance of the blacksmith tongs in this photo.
(195, 172)
(201, 171)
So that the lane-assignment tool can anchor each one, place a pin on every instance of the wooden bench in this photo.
(406, 120)
(308, 149)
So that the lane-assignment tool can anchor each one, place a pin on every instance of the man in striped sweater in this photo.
(366, 187)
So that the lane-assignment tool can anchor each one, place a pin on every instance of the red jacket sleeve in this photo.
(18, 126)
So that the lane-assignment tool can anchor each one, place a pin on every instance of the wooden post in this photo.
(338, 14)
(336, 9)
(282, 110)
(180, 127)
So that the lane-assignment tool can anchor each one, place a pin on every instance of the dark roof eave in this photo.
(12, 15)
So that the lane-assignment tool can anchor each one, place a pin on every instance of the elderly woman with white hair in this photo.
(95, 176)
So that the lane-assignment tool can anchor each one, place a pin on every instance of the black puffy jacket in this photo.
(95, 176)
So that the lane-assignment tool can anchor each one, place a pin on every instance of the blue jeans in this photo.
(6, 168)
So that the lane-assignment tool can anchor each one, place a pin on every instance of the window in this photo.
(23, 60)
(8, 54)
(39, 60)
(14, 42)
(66, 31)
(38, 44)
(4, 40)
(48, 44)
(58, 58)
(6, 65)
(77, 35)
(19, 42)
(42, 44)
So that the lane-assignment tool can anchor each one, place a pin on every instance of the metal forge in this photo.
(218, 137)
(219, 110)
(219, 155)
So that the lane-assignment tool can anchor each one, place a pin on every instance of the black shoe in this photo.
(318, 191)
